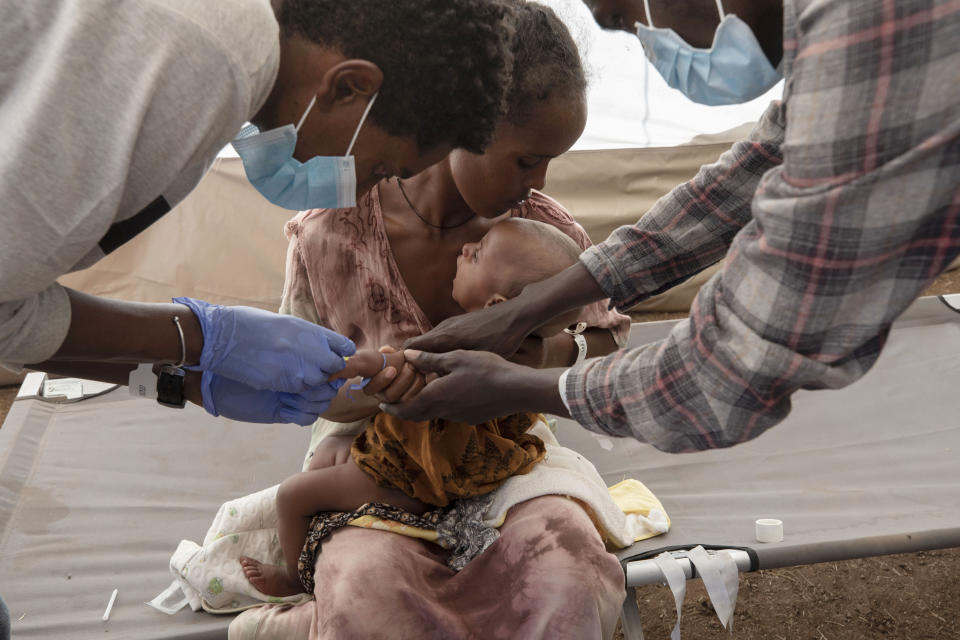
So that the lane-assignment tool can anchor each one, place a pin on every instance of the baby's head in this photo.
(514, 253)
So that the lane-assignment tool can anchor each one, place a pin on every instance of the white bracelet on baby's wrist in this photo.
(579, 340)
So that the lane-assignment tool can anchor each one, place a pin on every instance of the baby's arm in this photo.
(367, 363)
(391, 378)
(350, 405)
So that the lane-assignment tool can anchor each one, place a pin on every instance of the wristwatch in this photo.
(579, 340)
(167, 388)
(170, 386)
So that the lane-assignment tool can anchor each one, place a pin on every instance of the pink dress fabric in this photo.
(547, 576)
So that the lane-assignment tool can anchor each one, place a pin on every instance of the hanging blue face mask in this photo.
(323, 182)
(732, 71)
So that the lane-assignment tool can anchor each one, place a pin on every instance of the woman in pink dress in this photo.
(382, 273)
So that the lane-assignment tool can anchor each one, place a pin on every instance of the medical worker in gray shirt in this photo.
(112, 112)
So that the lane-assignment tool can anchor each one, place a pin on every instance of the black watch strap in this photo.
(170, 387)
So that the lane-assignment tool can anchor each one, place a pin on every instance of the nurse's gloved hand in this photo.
(237, 401)
(265, 350)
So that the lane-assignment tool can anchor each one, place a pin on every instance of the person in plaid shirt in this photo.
(834, 215)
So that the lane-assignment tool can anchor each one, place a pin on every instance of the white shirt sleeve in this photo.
(563, 388)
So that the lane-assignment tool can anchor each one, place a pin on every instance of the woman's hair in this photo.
(446, 63)
(546, 61)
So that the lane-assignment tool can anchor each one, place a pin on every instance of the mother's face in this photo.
(516, 161)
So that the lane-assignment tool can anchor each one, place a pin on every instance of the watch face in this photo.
(170, 387)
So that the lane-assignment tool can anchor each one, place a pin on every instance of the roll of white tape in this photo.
(769, 530)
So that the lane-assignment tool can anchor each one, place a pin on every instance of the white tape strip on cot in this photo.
(722, 580)
(677, 581)
(166, 601)
(720, 576)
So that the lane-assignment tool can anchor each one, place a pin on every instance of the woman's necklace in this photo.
(427, 222)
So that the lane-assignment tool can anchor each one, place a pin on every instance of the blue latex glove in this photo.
(265, 350)
(235, 400)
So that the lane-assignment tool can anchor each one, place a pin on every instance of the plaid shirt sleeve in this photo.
(861, 215)
(691, 227)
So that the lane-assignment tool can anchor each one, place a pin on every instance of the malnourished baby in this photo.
(418, 465)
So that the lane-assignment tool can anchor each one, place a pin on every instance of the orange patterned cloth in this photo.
(439, 461)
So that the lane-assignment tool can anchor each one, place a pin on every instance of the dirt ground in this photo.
(913, 596)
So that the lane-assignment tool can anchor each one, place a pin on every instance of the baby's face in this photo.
(486, 268)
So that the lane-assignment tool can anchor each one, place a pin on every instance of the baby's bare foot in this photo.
(269, 579)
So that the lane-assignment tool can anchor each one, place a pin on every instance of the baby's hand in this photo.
(367, 363)
(392, 379)
(405, 384)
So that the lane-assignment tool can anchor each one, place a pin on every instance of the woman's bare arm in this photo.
(560, 350)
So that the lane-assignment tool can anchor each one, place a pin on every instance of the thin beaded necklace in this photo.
(427, 222)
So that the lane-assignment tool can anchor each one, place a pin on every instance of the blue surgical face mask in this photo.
(323, 182)
(732, 71)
